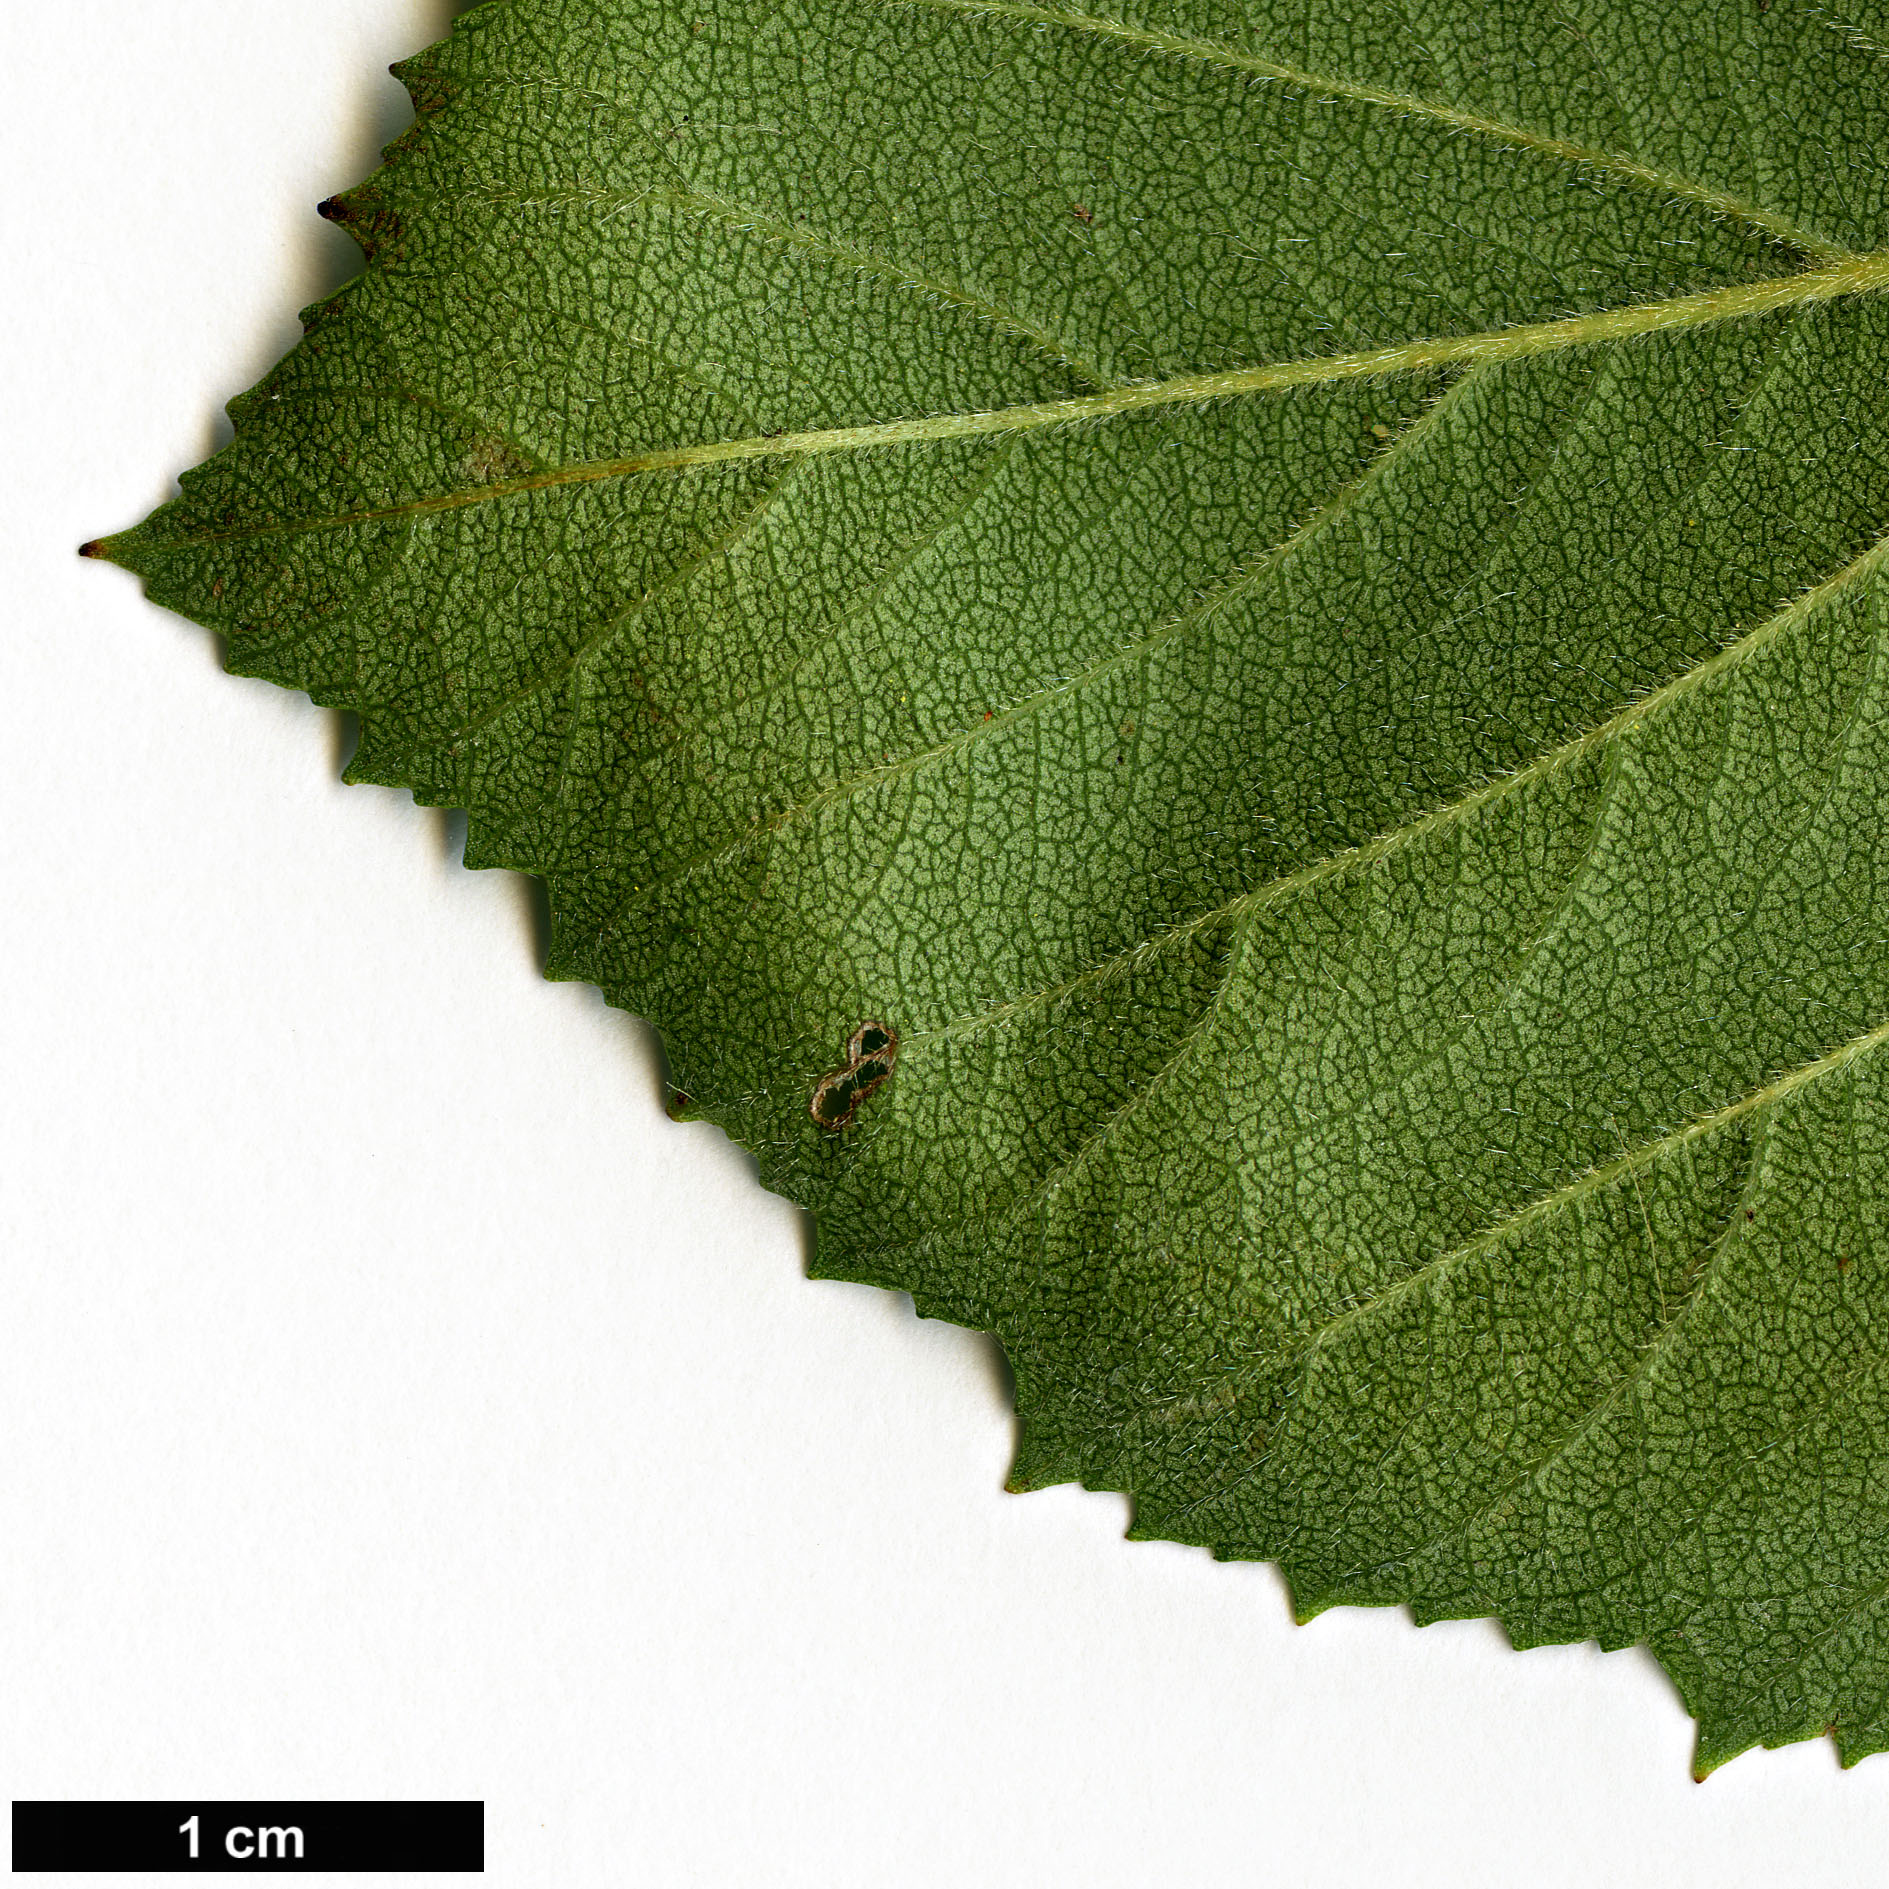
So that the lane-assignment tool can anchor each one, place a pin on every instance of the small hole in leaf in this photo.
(872, 1039)
(870, 1054)
(835, 1100)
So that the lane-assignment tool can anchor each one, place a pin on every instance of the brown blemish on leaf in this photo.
(428, 91)
(92, 548)
(488, 460)
(373, 225)
(871, 1051)
(1081, 214)
(679, 1104)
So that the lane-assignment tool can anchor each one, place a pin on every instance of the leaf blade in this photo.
(1341, 763)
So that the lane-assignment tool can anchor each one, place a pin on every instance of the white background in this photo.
(395, 1403)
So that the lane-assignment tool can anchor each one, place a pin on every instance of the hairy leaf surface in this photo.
(1288, 598)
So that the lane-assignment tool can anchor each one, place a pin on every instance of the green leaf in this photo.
(1289, 602)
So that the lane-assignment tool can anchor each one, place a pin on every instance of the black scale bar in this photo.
(261, 1837)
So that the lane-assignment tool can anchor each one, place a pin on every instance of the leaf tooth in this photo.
(369, 218)
(430, 89)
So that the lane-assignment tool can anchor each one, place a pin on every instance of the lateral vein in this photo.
(1633, 1162)
(819, 243)
(1240, 910)
(1277, 892)
(1853, 275)
(1215, 52)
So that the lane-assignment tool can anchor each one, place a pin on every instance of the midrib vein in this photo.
(1412, 104)
(1853, 275)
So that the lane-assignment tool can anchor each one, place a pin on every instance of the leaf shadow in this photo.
(328, 261)
(325, 258)
(323, 261)
(530, 897)
(999, 1374)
